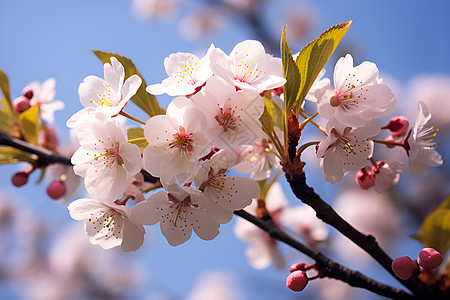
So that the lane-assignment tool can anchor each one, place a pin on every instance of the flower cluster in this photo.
(189, 149)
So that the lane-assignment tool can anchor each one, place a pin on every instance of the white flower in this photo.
(232, 116)
(422, 146)
(248, 67)
(179, 211)
(346, 149)
(176, 142)
(43, 95)
(262, 250)
(109, 95)
(386, 174)
(358, 95)
(319, 83)
(224, 194)
(257, 160)
(187, 74)
(108, 224)
(105, 157)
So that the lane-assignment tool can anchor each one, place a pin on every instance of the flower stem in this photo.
(137, 140)
(390, 143)
(312, 122)
(156, 186)
(308, 120)
(306, 145)
(131, 117)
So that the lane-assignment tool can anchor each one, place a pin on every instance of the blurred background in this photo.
(46, 255)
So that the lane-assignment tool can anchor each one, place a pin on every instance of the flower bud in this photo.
(20, 178)
(56, 189)
(297, 281)
(429, 258)
(398, 126)
(21, 104)
(27, 92)
(364, 178)
(297, 267)
(404, 267)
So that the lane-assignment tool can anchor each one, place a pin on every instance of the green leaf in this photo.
(6, 118)
(274, 111)
(137, 133)
(147, 102)
(315, 55)
(4, 86)
(29, 124)
(290, 73)
(9, 155)
(435, 229)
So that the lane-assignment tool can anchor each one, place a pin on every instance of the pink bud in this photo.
(297, 266)
(56, 189)
(429, 258)
(21, 104)
(297, 281)
(27, 92)
(20, 178)
(404, 267)
(390, 139)
(398, 126)
(364, 178)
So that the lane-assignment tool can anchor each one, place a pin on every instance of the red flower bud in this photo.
(404, 267)
(297, 281)
(56, 189)
(27, 92)
(20, 178)
(364, 178)
(398, 126)
(297, 267)
(21, 104)
(429, 258)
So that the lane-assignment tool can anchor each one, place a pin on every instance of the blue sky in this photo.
(42, 39)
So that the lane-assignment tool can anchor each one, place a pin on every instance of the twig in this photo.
(326, 267)
(297, 180)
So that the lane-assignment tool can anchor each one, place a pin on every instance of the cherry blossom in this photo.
(257, 159)
(420, 144)
(248, 67)
(177, 141)
(386, 174)
(108, 224)
(319, 83)
(224, 194)
(187, 74)
(346, 149)
(232, 116)
(105, 157)
(179, 211)
(44, 95)
(109, 95)
(262, 250)
(358, 95)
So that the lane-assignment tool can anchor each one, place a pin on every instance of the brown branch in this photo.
(297, 180)
(326, 266)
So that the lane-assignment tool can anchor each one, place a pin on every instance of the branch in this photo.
(326, 267)
(297, 180)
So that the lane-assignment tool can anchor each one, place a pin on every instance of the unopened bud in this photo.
(20, 178)
(364, 178)
(297, 267)
(297, 281)
(404, 267)
(21, 104)
(429, 258)
(398, 126)
(27, 92)
(56, 189)
(390, 139)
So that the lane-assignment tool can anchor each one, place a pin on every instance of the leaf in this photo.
(435, 229)
(137, 133)
(4, 86)
(29, 124)
(290, 73)
(147, 102)
(9, 155)
(274, 110)
(315, 55)
(6, 118)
